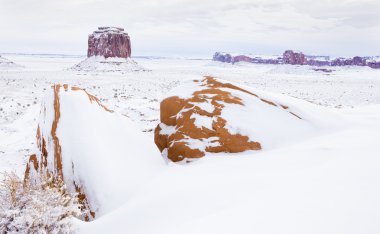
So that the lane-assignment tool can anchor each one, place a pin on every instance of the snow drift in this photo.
(99, 154)
(322, 184)
(112, 64)
(214, 116)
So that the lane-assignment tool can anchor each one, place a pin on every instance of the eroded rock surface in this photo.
(48, 161)
(109, 42)
(88, 147)
(200, 122)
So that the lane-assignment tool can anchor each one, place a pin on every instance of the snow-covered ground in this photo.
(137, 94)
(327, 184)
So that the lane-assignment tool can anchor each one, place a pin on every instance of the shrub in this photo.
(43, 208)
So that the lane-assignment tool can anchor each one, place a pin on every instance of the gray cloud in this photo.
(194, 27)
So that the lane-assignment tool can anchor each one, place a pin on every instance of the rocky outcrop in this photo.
(270, 60)
(373, 64)
(241, 58)
(109, 42)
(355, 61)
(88, 147)
(317, 61)
(294, 58)
(222, 57)
(209, 118)
(298, 58)
(228, 58)
(358, 61)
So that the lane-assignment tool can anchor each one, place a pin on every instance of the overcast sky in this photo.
(195, 27)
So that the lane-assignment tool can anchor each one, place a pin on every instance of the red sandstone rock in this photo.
(197, 122)
(109, 42)
(294, 58)
(179, 113)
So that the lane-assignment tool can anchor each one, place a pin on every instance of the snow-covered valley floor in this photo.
(327, 184)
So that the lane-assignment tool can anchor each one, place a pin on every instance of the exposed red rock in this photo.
(224, 141)
(109, 42)
(181, 139)
(50, 148)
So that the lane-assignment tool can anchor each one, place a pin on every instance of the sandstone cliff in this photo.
(109, 42)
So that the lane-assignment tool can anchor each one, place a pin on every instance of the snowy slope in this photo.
(101, 64)
(327, 184)
(214, 115)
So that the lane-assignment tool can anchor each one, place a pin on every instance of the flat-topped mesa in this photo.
(109, 42)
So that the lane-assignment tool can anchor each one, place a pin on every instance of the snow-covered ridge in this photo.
(90, 148)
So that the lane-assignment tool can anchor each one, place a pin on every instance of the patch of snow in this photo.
(112, 64)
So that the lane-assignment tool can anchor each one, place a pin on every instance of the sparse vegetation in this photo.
(43, 208)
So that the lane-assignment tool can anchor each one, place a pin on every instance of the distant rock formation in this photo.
(241, 58)
(355, 61)
(88, 147)
(298, 58)
(317, 61)
(374, 64)
(267, 60)
(222, 57)
(294, 58)
(228, 58)
(212, 116)
(109, 50)
(109, 42)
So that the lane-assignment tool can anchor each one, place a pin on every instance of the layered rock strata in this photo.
(109, 42)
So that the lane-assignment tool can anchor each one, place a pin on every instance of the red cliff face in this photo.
(109, 42)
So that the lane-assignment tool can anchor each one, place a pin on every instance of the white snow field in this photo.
(327, 182)
(6, 64)
(101, 64)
